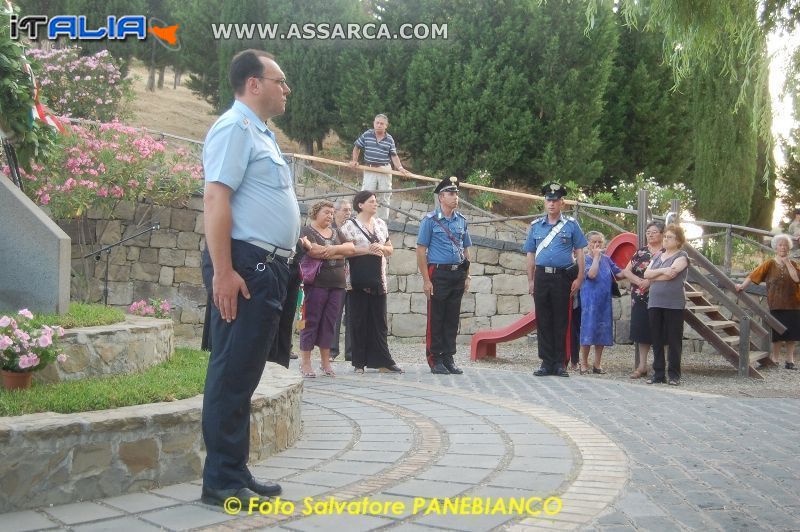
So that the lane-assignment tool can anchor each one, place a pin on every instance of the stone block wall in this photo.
(166, 263)
(122, 348)
(49, 458)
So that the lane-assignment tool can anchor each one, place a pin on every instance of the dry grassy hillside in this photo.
(177, 111)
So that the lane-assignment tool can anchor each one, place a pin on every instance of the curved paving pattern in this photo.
(621, 457)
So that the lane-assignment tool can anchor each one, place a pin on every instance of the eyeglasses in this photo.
(281, 82)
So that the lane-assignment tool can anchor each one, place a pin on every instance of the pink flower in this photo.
(5, 321)
(148, 311)
(44, 199)
(45, 341)
(28, 361)
(5, 342)
(61, 358)
(165, 307)
(25, 312)
(22, 335)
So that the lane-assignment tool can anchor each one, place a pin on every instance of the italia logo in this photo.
(77, 28)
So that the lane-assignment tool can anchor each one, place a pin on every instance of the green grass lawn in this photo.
(178, 378)
(82, 315)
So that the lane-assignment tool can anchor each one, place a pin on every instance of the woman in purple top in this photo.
(324, 295)
(596, 319)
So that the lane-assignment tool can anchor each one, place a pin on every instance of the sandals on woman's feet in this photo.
(307, 374)
(327, 372)
(637, 374)
(598, 371)
(583, 369)
(789, 365)
(358, 371)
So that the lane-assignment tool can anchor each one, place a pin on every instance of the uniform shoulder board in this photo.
(539, 219)
(430, 214)
(570, 219)
(243, 122)
(461, 215)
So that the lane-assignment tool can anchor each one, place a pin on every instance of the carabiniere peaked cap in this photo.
(448, 184)
(554, 191)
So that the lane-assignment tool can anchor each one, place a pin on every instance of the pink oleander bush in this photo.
(26, 346)
(96, 167)
(90, 87)
(155, 307)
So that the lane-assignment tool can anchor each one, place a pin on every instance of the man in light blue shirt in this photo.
(552, 279)
(252, 223)
(443, 260)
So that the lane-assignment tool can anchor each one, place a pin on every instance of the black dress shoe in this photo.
(394, 368)
(541, 372)
(218, 497)
(561, 372)
(264, 488)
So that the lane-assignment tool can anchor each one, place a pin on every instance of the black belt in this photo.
(550, 269)
(448, 267)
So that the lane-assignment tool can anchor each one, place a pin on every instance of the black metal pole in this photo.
(107, 250)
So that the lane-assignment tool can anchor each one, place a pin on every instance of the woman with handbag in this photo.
(640, 295)
(596, 319)
(322, 270)
(366, 285)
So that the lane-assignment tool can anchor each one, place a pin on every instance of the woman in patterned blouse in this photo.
(640, 321)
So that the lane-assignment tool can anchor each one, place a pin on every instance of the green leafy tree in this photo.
(724, 150)
(645, 123)
(31, 138)
(312, 71)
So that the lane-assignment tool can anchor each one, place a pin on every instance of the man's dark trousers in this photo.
(239, 353)
(444, 311)
(551, 299)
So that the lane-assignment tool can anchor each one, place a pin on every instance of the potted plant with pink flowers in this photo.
(25, 347)
(155, 307)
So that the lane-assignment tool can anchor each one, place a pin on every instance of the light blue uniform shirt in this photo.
(241, 152)
(558, 254)
(442, 250)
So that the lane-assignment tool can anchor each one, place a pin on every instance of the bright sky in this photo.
(780, 49)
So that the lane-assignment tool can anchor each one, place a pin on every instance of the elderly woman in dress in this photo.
(783, 296)
(325, 294)
(367, 299)
(596, 319)
(640, 320)
(667, 274)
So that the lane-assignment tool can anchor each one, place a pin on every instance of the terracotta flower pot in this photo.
(16, 381)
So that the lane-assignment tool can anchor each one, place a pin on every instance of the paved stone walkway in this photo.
(619, 456)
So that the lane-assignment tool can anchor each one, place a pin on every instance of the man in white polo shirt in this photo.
(379, 150)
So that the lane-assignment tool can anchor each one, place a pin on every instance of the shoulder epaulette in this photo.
(537, 220)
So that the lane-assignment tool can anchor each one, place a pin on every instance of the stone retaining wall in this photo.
(166, 263)
(122, 348)
(60, 458)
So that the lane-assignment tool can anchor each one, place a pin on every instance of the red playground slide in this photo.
(484, 343)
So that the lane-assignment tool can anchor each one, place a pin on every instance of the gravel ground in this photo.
(706, 373)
